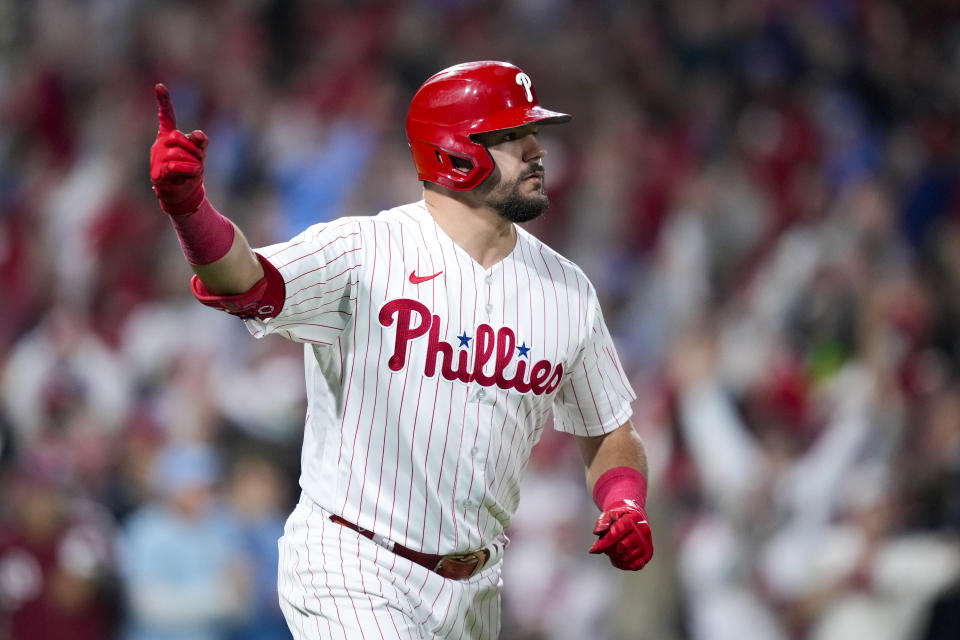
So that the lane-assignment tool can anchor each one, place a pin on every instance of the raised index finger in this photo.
(168, 121)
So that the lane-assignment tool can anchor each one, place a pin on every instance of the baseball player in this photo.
(438, 336)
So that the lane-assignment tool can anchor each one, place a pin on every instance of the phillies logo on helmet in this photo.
(496, 347)
(524, 81)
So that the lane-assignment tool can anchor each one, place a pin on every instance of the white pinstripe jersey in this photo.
(426, 394)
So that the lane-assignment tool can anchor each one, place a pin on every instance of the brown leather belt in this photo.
(453, 567)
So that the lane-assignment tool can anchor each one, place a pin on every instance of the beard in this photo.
(512, 205)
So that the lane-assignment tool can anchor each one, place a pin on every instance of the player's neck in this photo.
(484, 235)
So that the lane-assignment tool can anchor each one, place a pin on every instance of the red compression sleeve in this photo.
(620, 483)
(205, 235)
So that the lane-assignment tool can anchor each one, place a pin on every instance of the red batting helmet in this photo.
(469, 98)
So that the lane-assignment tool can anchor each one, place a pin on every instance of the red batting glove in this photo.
(625, 535)
(176, 161)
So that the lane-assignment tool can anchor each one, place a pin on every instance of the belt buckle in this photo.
(462, 566)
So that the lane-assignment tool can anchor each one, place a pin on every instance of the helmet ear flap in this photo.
(457, 171)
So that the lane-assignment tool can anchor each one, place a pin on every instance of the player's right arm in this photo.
(301, 289)
(215, 248)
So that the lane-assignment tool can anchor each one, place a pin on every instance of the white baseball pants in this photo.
(335, 584)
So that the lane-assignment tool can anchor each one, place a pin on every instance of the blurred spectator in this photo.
(62, 370)
(181, 559)
(868, 578)
(56, 553)
(257, 502)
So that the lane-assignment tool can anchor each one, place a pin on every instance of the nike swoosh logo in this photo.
(415, 279)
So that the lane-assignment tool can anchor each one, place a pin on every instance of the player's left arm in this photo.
(616, 470)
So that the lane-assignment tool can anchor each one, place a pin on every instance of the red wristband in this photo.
(620, 483)
(205, 235)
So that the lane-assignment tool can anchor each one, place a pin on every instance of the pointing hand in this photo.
(176, 161)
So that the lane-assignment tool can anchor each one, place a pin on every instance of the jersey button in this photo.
(482, 393)
(489, 308)
(488, 280)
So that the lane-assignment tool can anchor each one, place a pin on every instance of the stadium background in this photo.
(764, 193)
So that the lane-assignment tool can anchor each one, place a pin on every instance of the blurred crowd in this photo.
(764, 192)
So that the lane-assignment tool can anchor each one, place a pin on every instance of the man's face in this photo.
(515, 189)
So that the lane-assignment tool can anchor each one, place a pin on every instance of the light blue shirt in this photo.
(180, 575)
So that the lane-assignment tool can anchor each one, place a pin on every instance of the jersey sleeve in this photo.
(320, 270)
(595, 398)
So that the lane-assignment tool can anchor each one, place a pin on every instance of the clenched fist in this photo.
(176, 161)
(625, 535)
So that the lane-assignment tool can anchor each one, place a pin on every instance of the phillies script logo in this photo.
(414, 321)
